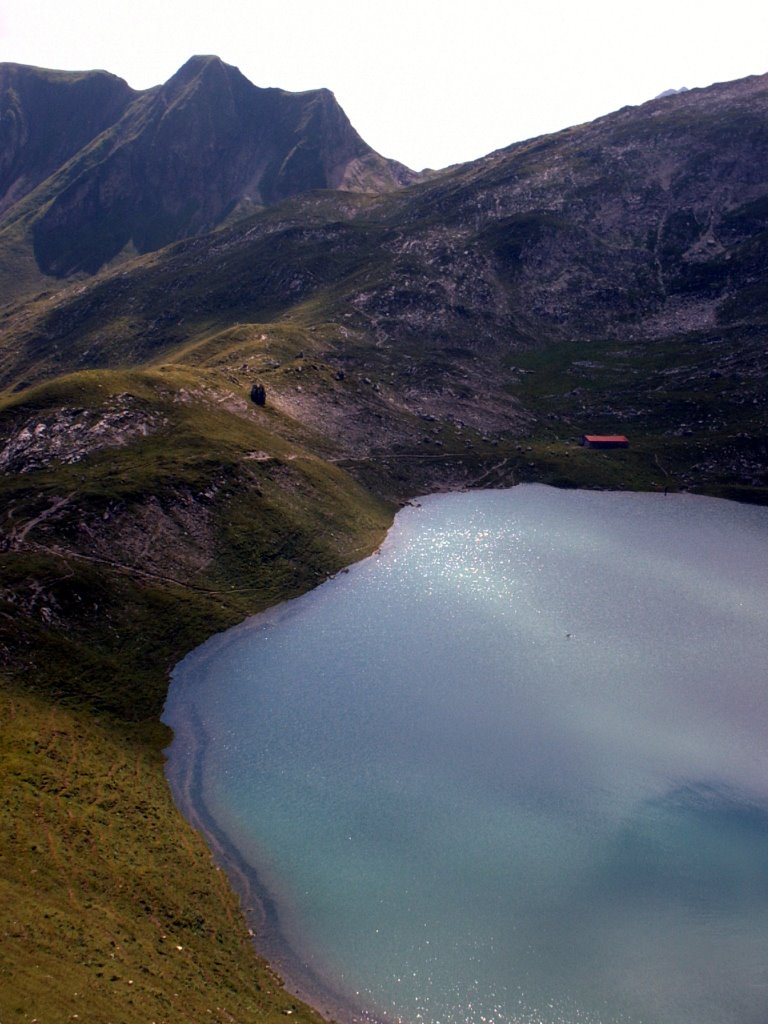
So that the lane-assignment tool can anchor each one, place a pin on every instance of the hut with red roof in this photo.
(604, 441)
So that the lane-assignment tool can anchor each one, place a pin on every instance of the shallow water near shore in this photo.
(511, 769)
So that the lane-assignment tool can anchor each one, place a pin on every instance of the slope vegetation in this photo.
(140, 518)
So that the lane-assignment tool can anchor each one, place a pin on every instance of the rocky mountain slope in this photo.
(461, 330)
(628, 253)
(46, 118)
(91, 168)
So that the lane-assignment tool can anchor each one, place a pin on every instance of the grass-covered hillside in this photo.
(141, 514)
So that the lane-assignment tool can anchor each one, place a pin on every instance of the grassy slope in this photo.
(694, 409)
(112, 907)
(102, 880)
(92, 923)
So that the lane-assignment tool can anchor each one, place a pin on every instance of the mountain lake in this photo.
(511, 769)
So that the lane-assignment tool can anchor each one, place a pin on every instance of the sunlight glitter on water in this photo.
(514, 767)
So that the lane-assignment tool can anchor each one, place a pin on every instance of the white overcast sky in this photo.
(429, 83)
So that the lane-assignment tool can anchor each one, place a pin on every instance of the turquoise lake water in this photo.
(513, 769)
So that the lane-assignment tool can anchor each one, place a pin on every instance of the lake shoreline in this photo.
(259, 909)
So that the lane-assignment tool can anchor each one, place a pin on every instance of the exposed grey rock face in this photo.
(68, 435)
(646, 222)
(671, 92)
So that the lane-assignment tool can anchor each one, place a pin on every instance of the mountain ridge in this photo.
(647, 227)
(647, 222)
(33, 143)
(149, 168)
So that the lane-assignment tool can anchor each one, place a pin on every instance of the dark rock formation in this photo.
(47, 117)
(170, 162)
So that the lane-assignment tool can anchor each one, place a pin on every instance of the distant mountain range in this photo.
(648, 224)
(651, 219)
(96, 168)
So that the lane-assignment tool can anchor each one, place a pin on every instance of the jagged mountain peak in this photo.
(205, 71)
(199, 62)
(133, 171)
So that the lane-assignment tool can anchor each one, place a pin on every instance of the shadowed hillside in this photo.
(142, 169)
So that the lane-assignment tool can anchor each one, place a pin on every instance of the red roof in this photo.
(604, 437)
